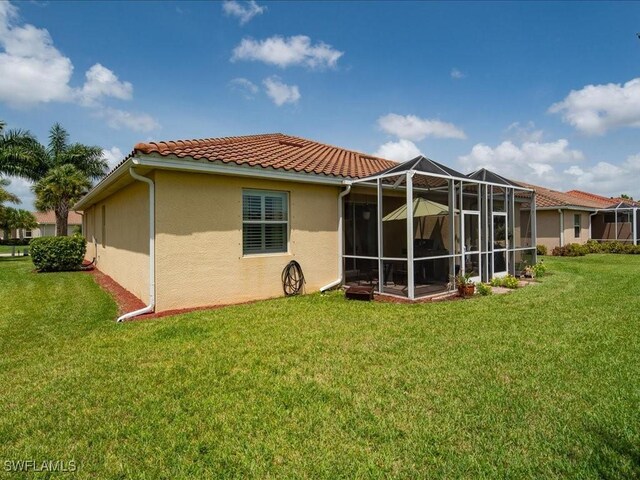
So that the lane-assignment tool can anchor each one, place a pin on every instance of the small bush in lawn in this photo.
(484, 289)
(508, 281)
(570, 250)
(58, 254)
(539, 269)
(541, 249)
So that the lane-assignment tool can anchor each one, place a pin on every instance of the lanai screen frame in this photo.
(622, 207)
(453, 182)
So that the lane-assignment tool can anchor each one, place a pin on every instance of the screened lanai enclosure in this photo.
(409, 230)
(618, 223)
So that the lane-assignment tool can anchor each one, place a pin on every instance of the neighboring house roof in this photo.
(610, 201)
(275, 150)
(50, 218)
(547, 198)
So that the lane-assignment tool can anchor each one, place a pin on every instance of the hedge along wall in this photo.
(58, 254)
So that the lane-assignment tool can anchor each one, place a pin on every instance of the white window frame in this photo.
(264, 194)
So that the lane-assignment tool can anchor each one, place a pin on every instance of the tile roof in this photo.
(610, 201)
(547, 198)
(49, 217)
(275, 150)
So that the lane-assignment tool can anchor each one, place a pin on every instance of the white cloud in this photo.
(281, 93)
(286, 52)
(246, 87)
(606, 178)
(528, 161)
(138, 122)
(594, 109)
(113, 156)
(415, 128)
(399, 151)
(22, 189)
(243, 11)
(34, 71)
(102, 82)
(457, 74)
(524, 133)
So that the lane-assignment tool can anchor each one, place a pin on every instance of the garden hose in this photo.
(292, 278)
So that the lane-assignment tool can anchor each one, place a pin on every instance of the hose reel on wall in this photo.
(292, 279)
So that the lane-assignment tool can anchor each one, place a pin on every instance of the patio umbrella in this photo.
(421, 208)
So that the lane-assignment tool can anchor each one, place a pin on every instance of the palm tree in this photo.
(59, 190)
(20, 219)
(6, 196)
(23, 156)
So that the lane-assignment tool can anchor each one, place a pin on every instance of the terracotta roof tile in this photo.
(609, 201)
(284, 152)
(547, 198)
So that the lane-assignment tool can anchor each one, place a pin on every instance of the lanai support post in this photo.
(452, 229)
(380, 238)
(410, 235)
(534, 227)
(635, 227)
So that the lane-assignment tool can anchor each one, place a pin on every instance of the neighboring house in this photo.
(618, 221)
(576, 217)
(47, 224)
(203, 222)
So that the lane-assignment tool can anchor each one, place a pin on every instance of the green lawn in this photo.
(9, 248)
(543, 382)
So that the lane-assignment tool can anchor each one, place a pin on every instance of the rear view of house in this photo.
(202, 222)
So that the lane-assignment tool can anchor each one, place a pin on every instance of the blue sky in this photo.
(543, 92)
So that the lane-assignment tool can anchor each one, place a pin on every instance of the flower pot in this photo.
(466, 290)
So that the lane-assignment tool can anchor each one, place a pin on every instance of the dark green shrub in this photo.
(570, 250)
(20, 242)
(58, 254)
(541, 249)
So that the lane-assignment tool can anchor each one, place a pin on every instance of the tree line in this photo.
(61, 172)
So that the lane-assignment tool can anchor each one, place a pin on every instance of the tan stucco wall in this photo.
(548, 227)
(123, 253)
(199, 240)
(569, 234)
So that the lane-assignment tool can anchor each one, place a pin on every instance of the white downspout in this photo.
(561, 227)
(337, 282)
(152, 250)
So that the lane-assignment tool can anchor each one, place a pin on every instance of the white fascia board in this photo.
(104, 183)
(567, 207)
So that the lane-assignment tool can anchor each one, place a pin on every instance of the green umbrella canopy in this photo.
(421, 208)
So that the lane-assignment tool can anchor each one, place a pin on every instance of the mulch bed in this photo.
(128, 302)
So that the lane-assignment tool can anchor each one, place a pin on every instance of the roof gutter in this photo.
(561, 227)
(152, 250)
(340, 278)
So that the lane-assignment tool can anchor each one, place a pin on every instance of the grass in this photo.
(541, 383)
(9, 248)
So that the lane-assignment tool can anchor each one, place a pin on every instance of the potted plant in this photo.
(466, 287)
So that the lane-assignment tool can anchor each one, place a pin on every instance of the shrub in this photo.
(19, 242)
(58, 254)
(570, 250)
(508, 281)
(541, 249)
(593, 246)
(539, 269)
(484, 289)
